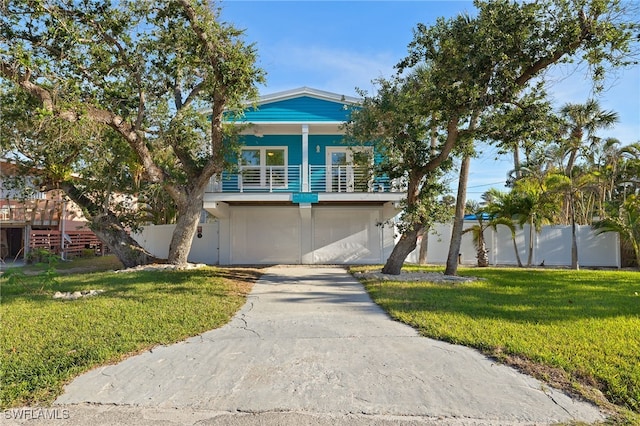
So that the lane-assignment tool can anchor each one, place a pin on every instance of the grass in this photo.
(576, 329)
(45, 342)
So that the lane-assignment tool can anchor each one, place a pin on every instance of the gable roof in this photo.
(309, 92)
(302, 105)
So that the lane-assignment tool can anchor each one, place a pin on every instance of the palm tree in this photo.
(626, 223)
(573, 188)
(534, 205)
(604, 159)
(501, 208)
(580, 121)
(581, 118)
(477, 231)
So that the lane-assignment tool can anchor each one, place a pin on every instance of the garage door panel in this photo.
(346, 236)
(265, 235)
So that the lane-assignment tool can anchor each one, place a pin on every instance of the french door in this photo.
(349, 169)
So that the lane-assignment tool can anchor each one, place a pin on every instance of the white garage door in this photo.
(346, 235)
(265, 235)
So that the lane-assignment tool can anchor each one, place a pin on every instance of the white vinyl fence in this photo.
(156, 239)
(551, 246)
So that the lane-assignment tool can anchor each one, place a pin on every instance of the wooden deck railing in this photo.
(75, 243)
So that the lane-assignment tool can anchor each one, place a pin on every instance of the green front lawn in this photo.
(45, 342)
(577, 329)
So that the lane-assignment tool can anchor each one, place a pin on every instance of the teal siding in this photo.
(292, 142)
(302, 109)
(323, 141)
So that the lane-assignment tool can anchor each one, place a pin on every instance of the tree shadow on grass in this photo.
(138, 284)
(519, 296)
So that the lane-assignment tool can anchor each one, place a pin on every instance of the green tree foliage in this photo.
(503, 207)
(144, 69)
(53, 154)
(580, 122)
(477, 231)
(482, 62)
(522, 129)
(622, 211)
(626, 222)
(407, 136)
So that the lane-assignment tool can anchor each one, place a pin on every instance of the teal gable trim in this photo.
(302, 109)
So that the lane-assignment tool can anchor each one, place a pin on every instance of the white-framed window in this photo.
(349, 169)
(263, 167)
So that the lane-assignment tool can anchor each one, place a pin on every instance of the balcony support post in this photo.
(305, 158)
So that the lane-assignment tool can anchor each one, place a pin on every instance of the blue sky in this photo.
(340, 45)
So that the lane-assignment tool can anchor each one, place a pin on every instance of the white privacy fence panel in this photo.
(551, 246)
(156, 240)
(595, 249)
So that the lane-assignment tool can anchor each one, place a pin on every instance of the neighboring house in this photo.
(31, 219)
(300, 194)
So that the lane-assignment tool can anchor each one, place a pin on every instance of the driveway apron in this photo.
(310, 340)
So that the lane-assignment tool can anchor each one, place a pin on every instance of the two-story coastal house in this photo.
(300, 194)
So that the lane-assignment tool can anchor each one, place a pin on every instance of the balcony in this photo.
(295, 179)
(37, 212)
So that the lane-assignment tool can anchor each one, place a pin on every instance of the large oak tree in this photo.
(477, 63)
(144, 69)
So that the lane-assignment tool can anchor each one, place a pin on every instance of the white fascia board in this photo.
(298, 123)
(307, 91)
(295, 93)
(362, 196)
(229, 197)
(210, 198)
(280, 127)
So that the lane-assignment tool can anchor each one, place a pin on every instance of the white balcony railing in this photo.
(293, 179)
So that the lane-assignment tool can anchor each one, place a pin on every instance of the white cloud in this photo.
(332, 69)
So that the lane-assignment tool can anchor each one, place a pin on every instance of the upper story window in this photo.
(264, 167)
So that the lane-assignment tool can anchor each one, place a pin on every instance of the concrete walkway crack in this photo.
(550, 396)
(244, 320)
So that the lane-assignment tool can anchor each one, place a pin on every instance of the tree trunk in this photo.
(574, 242)
(405, 245)
(424, 245)
(458, 221)
(516, 161)
(515, 248)
(110, 231)
(483, 258)
(531, 235)
(186, 226)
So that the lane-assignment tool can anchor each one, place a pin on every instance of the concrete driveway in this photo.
(310, 347)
